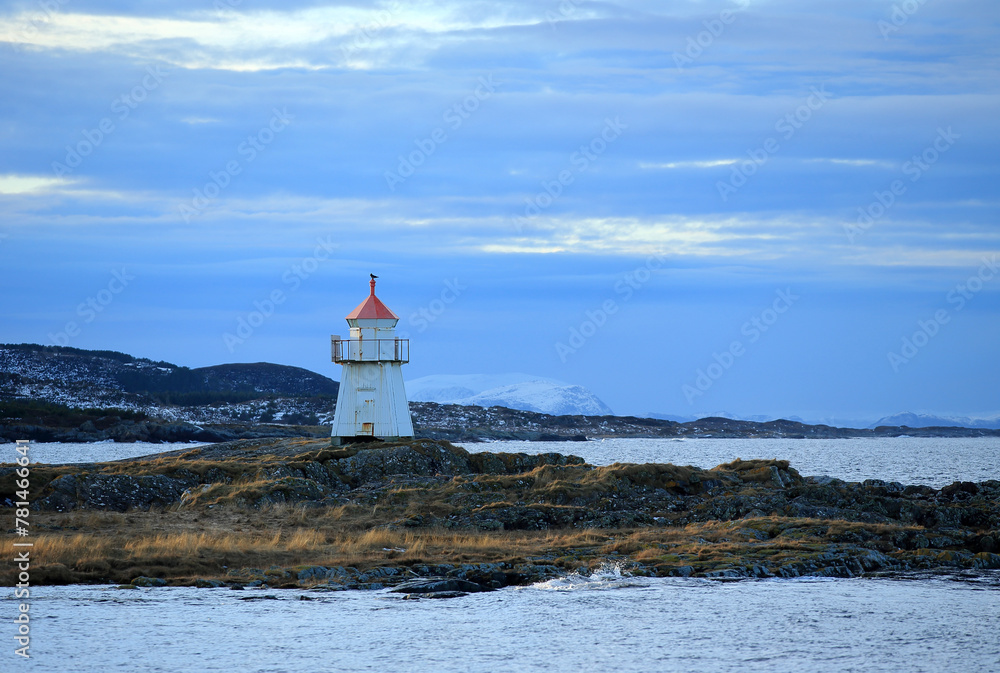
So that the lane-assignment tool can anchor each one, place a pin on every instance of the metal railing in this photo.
(370, 350)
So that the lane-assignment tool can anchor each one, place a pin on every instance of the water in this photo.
(577, 624)
(606, 622)
(910, 460)
(935, 462)
(61, 452)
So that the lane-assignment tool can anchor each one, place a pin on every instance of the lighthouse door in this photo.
(364, 411)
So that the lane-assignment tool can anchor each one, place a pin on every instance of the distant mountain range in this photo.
(906, 419)
(687, 418)
(930, 421)
(514, 391)
(75, 395)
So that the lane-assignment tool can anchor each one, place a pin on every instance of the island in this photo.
(431, 519)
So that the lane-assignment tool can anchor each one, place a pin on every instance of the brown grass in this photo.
(182, 545)
(219, 530)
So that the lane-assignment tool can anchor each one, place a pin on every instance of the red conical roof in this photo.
(372, 308)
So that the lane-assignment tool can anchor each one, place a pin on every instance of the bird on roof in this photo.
(373, 276)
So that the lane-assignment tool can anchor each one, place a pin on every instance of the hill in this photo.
(52, 393)
(928, 421)
(75, 395)
(513, 391)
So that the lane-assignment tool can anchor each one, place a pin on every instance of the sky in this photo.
(767, 207)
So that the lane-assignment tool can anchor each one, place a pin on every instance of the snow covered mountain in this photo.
(687, 418)
(930, 421)
(514, 391)
(98, 379)
(907, 419)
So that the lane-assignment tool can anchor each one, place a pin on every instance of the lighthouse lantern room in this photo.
(371, 403)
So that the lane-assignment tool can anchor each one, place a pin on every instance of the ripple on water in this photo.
(95, 452)
(910, 460)
(932, 461)
(933, 623)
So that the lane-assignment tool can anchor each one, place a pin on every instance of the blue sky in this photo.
(767, 207)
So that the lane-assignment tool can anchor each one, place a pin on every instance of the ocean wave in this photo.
(610, 575)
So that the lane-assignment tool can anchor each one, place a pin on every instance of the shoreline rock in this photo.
(744, 519)
(403, 580)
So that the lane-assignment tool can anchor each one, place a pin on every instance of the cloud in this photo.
(31, 184)
(367, 84)
(242, 39)
(710, 163)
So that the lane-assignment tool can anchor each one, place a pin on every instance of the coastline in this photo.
(296, 513)
(440, 421)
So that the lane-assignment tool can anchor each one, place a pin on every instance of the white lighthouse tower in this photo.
(371, 403)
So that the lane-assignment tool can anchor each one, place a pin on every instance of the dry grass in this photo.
(435, 544)
(219, 530)
(574, 482)
(721, 543)
(182, 545)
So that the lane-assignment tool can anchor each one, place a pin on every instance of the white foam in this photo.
(611, 575)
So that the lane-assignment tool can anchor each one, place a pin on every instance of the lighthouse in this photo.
(371, 403)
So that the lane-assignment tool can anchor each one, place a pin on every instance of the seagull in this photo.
(373, 276)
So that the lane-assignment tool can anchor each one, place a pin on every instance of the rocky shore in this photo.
(432, 518)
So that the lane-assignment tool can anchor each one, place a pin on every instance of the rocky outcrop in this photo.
(439, 585)
(323, 477)
(757, 518)
(552, 491)
(443, 580)
(117, 492)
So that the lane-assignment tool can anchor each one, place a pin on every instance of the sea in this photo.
(608, 621)
(934, 462)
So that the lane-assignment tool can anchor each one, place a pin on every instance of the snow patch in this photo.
(514, 391)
